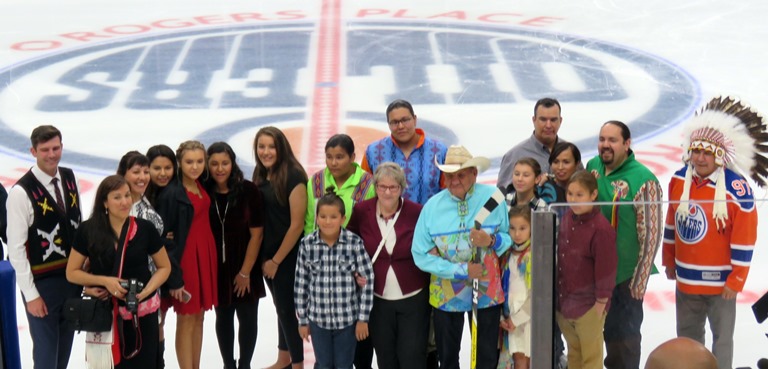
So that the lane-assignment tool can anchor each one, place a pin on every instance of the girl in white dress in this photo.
(516, 282)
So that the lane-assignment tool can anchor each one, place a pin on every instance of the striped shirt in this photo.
(325, 290)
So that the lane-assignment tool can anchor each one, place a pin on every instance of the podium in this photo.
(10, 356)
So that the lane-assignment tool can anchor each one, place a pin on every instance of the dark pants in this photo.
(281, 287)
(448, 330)
(364, 353)
(248, 321)
(622, 329)
(51, 340)
(399, 330)
(334, 348)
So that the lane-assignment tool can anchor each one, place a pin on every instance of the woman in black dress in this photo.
(102, 240)
(282, 182)
(236, 222)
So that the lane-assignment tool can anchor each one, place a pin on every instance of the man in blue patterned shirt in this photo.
(411, 149)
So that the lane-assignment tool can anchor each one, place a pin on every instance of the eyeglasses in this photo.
(404, 121)
(391, 189)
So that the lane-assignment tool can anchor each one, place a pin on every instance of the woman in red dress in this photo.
(185, 205)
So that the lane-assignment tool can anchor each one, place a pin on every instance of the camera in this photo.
(131, 301)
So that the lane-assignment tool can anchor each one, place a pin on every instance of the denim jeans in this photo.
(334, 348)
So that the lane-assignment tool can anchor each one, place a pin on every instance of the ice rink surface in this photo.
(125, 75)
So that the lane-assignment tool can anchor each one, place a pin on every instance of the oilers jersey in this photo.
(705, 258)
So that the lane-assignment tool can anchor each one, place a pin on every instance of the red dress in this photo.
(198, 263)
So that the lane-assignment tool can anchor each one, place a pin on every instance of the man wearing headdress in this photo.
(708, 245)
(444, 242)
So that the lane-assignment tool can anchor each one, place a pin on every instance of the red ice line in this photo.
(325, 105)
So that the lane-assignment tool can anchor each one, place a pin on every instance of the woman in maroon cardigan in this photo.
(400, 317)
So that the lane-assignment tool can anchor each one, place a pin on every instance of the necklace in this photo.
(463, 211)
(221, 221)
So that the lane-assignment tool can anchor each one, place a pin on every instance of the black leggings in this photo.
(281, 288)
(248, 319)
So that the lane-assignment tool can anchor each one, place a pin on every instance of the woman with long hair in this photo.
(184, 205)
(117, 245)
(282, 182)
(236, 220)
(162, 171)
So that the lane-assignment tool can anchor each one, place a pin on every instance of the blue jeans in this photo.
(334, 348)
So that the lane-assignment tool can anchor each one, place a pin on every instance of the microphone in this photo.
(762, 364)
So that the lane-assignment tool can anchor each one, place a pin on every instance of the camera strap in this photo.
(127, 237)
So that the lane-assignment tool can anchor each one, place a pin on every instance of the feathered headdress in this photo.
(736, 135)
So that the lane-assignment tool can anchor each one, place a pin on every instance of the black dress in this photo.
(277, 220)
(145, 242)
(239, 216)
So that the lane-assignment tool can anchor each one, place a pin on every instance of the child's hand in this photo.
(507, 325)
(600, 307)
(433, 251)
(304, 332)
(361, 331)
(361, 281)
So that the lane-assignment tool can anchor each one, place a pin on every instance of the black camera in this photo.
(131, 301)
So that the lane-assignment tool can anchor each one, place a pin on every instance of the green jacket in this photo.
(358, 187)
(638, 227)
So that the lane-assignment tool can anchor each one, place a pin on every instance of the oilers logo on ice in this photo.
(222, 83)
(692, 228)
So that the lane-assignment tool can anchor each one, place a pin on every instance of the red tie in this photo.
(59, 199)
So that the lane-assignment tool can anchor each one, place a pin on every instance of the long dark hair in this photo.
(235, 180)
(285, 162)
(153, 153)
(99, 234)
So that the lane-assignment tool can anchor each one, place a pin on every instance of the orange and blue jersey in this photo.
(707, 259)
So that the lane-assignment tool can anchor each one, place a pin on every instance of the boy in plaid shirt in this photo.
(328, 300)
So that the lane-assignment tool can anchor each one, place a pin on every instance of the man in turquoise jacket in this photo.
(443, 245)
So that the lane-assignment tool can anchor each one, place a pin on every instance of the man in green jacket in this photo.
(638, 225)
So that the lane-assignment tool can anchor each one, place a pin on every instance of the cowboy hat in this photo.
(458, 158)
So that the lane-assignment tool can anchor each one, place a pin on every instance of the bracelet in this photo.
(243, 275)
(273, 261)
(493, 240)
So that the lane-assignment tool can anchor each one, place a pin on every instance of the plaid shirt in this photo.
(325, 290)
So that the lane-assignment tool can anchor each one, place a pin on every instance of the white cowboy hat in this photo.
(458, 158)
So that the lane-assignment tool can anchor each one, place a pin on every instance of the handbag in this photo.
(88, 314)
